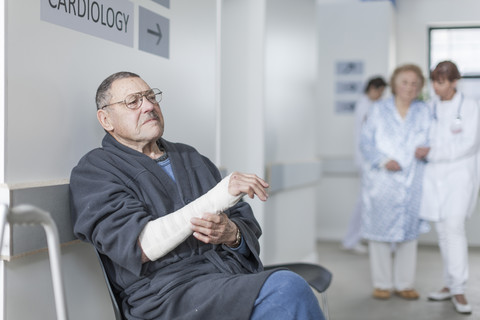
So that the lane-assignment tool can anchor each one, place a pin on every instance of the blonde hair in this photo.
(403, 68)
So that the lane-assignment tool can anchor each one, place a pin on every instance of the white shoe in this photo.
(461, 308)
(358, 248)
(439, 295)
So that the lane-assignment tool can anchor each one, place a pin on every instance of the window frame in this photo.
(430, 29)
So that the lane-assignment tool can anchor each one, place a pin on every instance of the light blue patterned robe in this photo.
(392, 199)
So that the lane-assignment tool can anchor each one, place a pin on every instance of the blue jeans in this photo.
(286, 295)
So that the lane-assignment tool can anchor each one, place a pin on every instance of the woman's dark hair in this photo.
(445, 70)
(376, 82)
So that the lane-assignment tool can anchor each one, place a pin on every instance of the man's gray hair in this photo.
(103, 95)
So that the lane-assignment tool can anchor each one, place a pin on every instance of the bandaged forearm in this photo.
(164, 234)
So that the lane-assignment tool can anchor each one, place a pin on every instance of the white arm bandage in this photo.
(164, 234)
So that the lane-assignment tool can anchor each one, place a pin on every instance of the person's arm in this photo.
(392, 165)
(162, 235)
(105, 212)
(421, 153)
(219, 229)
(368, 144)
(216, 229)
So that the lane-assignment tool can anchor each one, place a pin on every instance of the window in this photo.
(459, 44)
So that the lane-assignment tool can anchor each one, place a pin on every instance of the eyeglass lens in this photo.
(135, 100)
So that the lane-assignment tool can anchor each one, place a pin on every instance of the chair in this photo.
(115, 300)
(317, 277)
(30, 215)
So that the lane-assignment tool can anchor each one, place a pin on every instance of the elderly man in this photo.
(177, 241)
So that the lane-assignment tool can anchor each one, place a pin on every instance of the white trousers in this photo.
(452, 241)
(393, 265)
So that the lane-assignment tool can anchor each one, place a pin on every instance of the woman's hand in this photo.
(422, 152)
(392, 165)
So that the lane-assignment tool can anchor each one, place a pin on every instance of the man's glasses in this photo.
(134, 101)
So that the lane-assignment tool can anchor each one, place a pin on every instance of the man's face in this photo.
(133, 128)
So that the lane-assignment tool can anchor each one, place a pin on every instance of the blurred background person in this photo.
(451, 181)
(392, 179)
(373, 92)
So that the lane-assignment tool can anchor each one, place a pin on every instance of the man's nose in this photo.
(147, 106)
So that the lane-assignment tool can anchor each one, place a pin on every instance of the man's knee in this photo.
(289, 295)
(293, 284)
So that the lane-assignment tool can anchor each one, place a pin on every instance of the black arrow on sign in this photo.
(156, 33)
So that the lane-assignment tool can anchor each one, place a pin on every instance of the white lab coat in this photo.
(452, 174)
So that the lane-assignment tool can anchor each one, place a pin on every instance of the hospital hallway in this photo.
(349, 295)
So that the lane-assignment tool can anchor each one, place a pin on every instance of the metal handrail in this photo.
(30, 215)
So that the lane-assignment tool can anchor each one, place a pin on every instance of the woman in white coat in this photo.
(451, 180)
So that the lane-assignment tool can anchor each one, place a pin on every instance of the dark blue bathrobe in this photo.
(116, 190)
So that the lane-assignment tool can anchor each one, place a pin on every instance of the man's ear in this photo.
(104, 119)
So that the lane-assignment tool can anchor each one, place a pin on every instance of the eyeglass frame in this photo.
(142, 94)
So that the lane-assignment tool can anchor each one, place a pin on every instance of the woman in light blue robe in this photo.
(392, 183)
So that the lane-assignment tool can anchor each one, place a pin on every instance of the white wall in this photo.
(3, 19)
(291, 74)
(268, 84)
(242, 91)
(352, 31)
(347, 31)
(53, 73)
(291, 114)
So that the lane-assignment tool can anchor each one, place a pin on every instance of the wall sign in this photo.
(107, 19)
(348, 85)
(349, 67)
(165, 3)
(153, 33)
(345, 87)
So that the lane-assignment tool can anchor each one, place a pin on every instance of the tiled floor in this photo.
(349, 295)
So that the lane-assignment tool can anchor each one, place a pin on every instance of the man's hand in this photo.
(392, 165)
(249, 184)
(214, 229)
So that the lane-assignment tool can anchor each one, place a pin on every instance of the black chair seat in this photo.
(317, 276)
